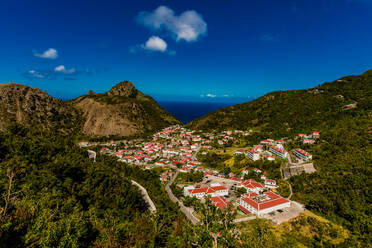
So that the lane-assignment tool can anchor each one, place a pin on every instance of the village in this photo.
(250, 192)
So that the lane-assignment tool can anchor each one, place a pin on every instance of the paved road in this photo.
(187, 211)
(145, 196)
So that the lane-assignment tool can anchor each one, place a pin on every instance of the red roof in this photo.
(208, 173)
(250, 183)
(278, 149)
(207, 189)
(219, 202)
(244, 209)
(303, 152)
(273, 200)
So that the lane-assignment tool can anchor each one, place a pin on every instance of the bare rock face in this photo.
(124, 89)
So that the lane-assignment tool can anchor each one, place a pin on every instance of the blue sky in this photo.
(183, 50)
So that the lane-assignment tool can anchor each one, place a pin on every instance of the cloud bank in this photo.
(188, 26)
(50, 53)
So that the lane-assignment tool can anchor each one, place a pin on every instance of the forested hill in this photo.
(288, 112)
(341, 111)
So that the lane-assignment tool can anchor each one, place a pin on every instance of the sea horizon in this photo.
(187, 111)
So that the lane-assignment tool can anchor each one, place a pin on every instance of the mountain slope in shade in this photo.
(35, 108)
(122, 111)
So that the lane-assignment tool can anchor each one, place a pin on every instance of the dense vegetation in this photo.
(341, 189)
(53, 195)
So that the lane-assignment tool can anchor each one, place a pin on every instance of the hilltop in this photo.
(122, 111)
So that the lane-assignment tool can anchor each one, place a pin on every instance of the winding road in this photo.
(145, 196)
(187, 211)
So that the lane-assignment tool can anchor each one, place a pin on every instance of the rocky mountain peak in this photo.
(125, 89)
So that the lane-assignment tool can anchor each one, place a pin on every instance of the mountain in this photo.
(122, 111)
(342, 112)
(35, 108)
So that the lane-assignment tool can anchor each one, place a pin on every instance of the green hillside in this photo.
(341, 189)
(54, 196)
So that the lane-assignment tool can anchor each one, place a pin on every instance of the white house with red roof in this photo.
(270, 183)
(263, 203)
(83, 144)
(315, 135)
(258, 148)
(302, 154)
(278, 151)
(280, 141)
(193, 163)
(185, 169)
(252, 154)
(220, 202)
(251, 186)
(239, 151)
(269, 158)
(201, 192)
(302, 135)
(160, 163)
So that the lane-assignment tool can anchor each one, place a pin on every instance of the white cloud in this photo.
(36, 74)
(188, 26)
(211, 95)
(51, 53)
(154, 43)
(62, 69)
(226, 95)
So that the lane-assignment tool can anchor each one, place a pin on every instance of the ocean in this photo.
(188, 111)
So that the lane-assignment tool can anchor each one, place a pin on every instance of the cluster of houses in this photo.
(166, 175)
(268, 149)
(172, 146)
(309, 139)
(265, 150)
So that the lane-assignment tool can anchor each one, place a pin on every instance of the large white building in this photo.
(201, 192)
(251, 186)
(302, 154)
(278, 151)
(252, 154)
(253, 203)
